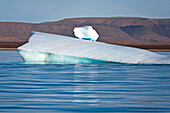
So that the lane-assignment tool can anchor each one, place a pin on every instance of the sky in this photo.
(36, 11)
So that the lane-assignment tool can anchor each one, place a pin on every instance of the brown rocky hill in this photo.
(111, 29)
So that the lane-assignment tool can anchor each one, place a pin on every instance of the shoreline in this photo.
(8, 49)
(155, 47)
(153, 50)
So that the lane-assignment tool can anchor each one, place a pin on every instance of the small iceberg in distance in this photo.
(59, 49)
(86, 33)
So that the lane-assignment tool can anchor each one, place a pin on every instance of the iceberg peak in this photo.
(86, 33)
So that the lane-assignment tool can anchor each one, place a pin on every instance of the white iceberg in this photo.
(50, 48)
(86, 32)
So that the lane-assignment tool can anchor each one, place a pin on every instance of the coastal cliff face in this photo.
(110, 29)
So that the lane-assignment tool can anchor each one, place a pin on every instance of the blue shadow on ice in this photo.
(32, 57)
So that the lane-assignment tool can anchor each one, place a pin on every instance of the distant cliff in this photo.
(111, 29)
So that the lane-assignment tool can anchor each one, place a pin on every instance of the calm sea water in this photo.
(52, 88)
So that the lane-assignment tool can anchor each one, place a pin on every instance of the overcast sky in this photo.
(52, 10)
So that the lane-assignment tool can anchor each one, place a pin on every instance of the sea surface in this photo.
(64, 88)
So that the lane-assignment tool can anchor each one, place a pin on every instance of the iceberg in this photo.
(52, 48)
(86, 33)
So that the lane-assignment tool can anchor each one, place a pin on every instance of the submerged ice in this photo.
(44, 47)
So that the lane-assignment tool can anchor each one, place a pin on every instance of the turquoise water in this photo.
(52, 88)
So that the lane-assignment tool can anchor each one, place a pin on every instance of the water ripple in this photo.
(36, 88)
(84, 88)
